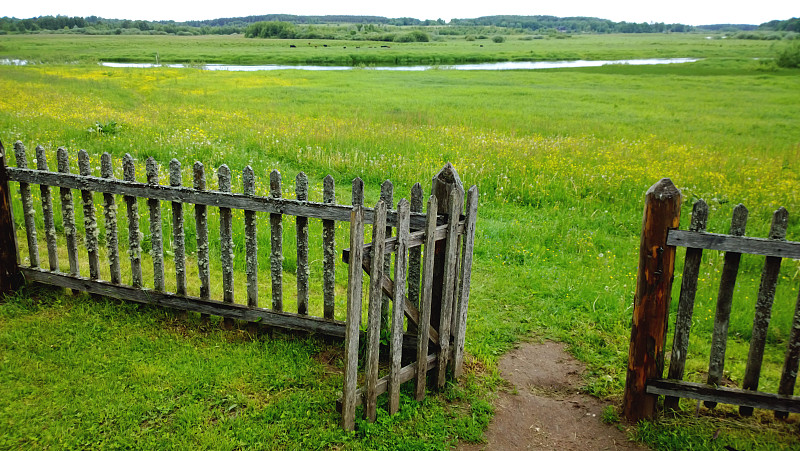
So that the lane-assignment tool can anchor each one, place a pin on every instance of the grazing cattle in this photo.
(324, 45)
(291, 46)
(384, 46)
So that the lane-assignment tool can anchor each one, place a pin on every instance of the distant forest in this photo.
(339, 27)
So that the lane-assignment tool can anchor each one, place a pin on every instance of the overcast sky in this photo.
(691, 12)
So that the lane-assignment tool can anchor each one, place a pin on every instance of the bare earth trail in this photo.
(544, 409)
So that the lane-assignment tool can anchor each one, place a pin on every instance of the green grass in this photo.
(561, 157)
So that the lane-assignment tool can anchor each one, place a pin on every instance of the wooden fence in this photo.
(433, 297)
(660, 236)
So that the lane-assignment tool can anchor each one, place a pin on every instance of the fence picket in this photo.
(354, 279)
(68, 214)
(10, 277)
(387, 196)
(178, 234)
(375, 313)
(301, 226)
(357, 194)
(250, 239)
(462, 296)
(792, 361)
(449, 281)
(276, 243)
(400, 263)
(328, 251)
(427, 294)
(27, 207)
(730, 269)
(414, 257)
(134, 238)
(201, 224)
(226, 241)
(47, 211)
(156, 236)
(683, 321)
(766, 294)
(110, 213)
(89, 219)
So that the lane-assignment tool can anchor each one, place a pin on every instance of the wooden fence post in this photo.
(651, 302)
(10, 277)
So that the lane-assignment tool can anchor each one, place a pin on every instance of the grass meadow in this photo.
(561, 157)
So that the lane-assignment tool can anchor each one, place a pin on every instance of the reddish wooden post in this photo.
(10, 277)
(662, 212)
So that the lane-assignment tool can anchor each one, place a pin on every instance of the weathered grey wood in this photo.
(10, 275)
(276, 244)
(406, 373)
(68, 214)
(354, 278)
(415, 239)
(233, 311)
(766, 294)
(724, 395)
(134, 236)
(301, 226)
(328, 251)
(739, 244)
(375, 316)
(226, 237)
(792, 362)
(396, 346)
(449, 285)
(178, 234)
(357, 195)
(89, 219)
(387, 196)
(201, 224)
(47, 212)
(425, 300)
(730, 269)
(414, 256)
(468, 244)
(28, 212)
(250, 239)
(156, 236)
(284, 206)
(662, 211)
(110, 213)
(683, 320)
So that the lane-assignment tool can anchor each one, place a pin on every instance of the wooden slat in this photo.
(396, 345)
(226, 240)
(301, 226)
(406, 373)
(683, 320)
(425, 300)
(449, 286)
(110, 214)
(201, 224)
(178, 234)
(374, 315)
(89, 219)
(28, 213)
(284, 206)
(387, 196)
(232, 311)
(47, 212)
(766, 295)
(730, 270)
(68, 214)
(739, 244)
(414, 257)
(134, 241)
(354, 278)
(357, 195)
(250, 239)
(714, 395)
(328, 251)
(460, 326)
(415, 240)
(792, 362)
(276, 243)
(10, 277)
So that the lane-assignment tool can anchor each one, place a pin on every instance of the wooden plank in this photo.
(683, 320)
(250, 238)
(89, 219)
(739, 244)
(730, 269)
(201, 225)
(766, 295)
(396, 345)
(47, 212)
(414, 257)
(301, 226)
(662, 210)
(284, 206)
(711, 394)
(110, 213)
(353, 324)
(276, 244)
(460, 331)
(449, 286)
(374, 315)
(226, 241)
(357, 195)
(233, 311)
(387, 196)
(425, 300)
(28, 213)
(328, 251)
(68, 214)
(178, 234)
(10, 276)
(792, 362)
(406, 373)
(134, 240)
(415, 239)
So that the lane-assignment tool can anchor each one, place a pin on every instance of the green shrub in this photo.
(789, 57)
(499, 39)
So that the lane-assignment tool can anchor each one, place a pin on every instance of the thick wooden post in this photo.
(10, 277)
(651, 302)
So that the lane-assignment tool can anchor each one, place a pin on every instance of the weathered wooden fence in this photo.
(660, 236)
(433, 296)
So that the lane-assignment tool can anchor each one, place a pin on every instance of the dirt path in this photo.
(545, 410)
